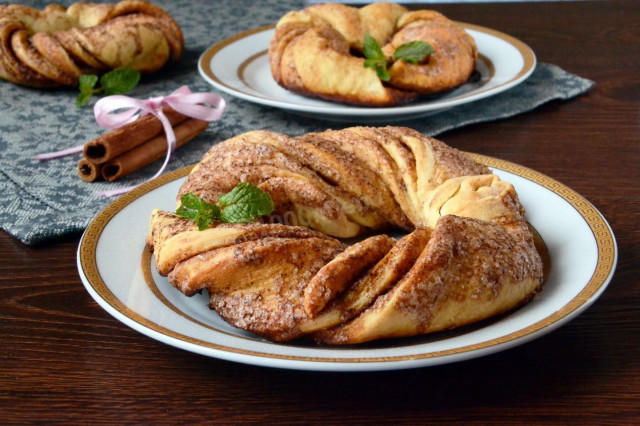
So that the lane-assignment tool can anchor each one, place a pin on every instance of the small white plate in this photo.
(117, 271)
(240, 66)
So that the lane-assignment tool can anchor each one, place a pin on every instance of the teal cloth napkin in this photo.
(44, 201)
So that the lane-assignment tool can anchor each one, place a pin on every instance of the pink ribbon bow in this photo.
(181, 100)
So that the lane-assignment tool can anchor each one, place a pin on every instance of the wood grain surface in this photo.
(65, 360)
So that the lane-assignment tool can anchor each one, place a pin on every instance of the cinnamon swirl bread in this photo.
(468, 253)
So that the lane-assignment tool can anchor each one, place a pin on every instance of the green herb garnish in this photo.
(198, 210)
(86, 85)
(120, 80)
(244, 203)
(412, 52)
(374, 58)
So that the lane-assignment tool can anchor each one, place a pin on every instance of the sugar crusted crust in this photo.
(469, 253)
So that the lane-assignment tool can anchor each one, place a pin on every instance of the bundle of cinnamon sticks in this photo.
(131, 147)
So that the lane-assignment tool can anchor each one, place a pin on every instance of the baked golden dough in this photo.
(468, 254)
(55, 46)
(317, 51)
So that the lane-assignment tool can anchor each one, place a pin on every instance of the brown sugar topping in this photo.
(282, 282)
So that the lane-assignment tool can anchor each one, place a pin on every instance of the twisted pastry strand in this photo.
(469, 253)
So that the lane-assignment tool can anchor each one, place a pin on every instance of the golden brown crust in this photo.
(469, 270)
(471, 254)
(376, 281)
(54, 46)
(344, 269)
(259, 285)
(312, 53)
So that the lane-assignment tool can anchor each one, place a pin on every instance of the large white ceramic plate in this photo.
(115, 268)
(240, 66)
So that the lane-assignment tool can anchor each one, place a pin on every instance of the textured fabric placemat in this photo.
(43, 201)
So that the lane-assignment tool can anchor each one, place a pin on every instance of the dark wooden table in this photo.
(64, 359)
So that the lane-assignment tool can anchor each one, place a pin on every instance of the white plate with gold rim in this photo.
(240, 67)
(117, 271)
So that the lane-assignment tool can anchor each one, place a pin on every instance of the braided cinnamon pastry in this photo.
(317, 52)
(55, 46)
(469, 253)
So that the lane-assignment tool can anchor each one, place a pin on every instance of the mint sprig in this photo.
(117, 81)
(413, 52)
(194, 208)
(244, 203)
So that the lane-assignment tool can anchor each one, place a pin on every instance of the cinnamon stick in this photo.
(88, 171)
(150, 151)
(123, 139)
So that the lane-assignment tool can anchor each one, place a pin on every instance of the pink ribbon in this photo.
(53, 155)
(181, 100)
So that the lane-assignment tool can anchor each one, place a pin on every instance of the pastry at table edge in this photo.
(468, 253)
(317, 51)
(55, 46)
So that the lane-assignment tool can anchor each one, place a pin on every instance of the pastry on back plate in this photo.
(55, 46)
(320, 51)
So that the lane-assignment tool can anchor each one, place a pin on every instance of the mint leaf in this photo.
(244, 203)
(371, 49)
(120, 80)
(189, 206)
(86, 84)
(194, 208)
(413, 52)
(374, 57)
